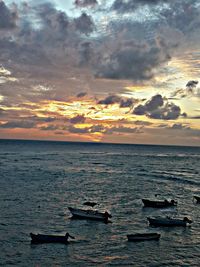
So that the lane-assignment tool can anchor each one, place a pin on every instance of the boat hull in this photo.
(88, 214)
(38, 239)
(143, 237)
(167, 222)
(158, 204)
(197, 199)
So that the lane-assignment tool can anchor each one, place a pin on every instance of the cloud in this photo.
(122, 129)
(81, 94)
(84, 24)
(18, 124)
(195, 117)
(143, 123)
(179, 126)
(50, 128)
(110, 100)
(156, 108)
(78, 119)
(127, 103)
(92, 129)
(8, 17)
(115, 99)
(85, 3)
(191, 85)
(130, 60)
(191, 90)
(124, 6)
(102, 129)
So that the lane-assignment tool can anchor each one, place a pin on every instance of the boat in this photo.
(39, 238)
(168, 221)
(90, 214)
(143, 237)
(197, 198)
(159, 203)
(90, 203)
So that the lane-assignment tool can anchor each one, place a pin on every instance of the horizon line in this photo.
(93, 142)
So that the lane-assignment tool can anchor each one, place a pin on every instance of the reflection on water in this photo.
(39, 180)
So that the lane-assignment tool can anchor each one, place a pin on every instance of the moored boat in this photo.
(40, 238)
(197, 198)
(143, 237)
(167, 221)
(90, 203)
(159, 203)
(90, 214)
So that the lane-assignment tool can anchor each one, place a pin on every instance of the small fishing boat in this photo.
(90, 214)
(90, 203)
(159, 203)
(143, 237)
(167, 221)
(197, 198)
(36, 239)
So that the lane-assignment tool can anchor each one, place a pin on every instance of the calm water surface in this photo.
(39, 180)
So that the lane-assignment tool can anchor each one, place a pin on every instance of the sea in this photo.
(39, 180)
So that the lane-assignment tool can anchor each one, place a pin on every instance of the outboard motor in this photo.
(186, 219)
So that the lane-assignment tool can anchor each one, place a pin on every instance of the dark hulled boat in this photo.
(39, 238)
(167, 221)
(197, 198)
(159, 203)
(143, 237)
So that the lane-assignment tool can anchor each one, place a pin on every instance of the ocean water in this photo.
(39, 180)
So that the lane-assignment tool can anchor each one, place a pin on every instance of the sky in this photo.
(117, 71)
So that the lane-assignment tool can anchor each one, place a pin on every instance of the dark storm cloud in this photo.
(78, 119)
(84, 24)
(157, 108)
(127, 103)
(115, 99)
(110, 100)
(153, 104)
(85, 3)
(86, 53)
(7, 17)
(55, 39)
(182, 15)
(46, 36)
(133, 61)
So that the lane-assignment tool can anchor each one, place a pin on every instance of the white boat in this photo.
(90, 214)
(143, 237)
(167, 221)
